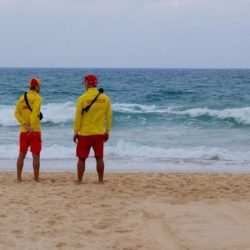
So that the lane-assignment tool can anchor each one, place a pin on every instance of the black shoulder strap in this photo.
(26, 101)
(40, 116)
(86, 109)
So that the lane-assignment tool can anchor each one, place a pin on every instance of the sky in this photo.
(125, 33)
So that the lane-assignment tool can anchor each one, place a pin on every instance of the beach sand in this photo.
(148, 211)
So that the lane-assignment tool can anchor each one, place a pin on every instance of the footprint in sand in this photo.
(128, 244)
(105, 224)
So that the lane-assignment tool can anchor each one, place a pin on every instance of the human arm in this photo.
(35, 114)
(78, 119)
(19, 117)
(108, 116)
(18, 113)
(75, 136)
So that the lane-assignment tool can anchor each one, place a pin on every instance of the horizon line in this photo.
(43, 67)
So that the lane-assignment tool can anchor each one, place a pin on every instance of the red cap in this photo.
(35, 82)
(91, 79)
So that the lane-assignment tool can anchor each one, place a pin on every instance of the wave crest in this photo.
(240, 115)
(57, 113)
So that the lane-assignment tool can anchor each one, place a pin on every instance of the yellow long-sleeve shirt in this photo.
(24, 115)
(97, 117)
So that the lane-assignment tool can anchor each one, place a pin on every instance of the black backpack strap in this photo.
(26, 101)
(86, 109)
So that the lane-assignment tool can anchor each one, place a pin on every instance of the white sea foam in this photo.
(129, 149)
(240, 115)
(7, 116)
(57, 113)
(139, 108)
(53, 152)
(134, 151)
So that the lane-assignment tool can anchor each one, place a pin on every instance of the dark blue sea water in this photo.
(163, 119)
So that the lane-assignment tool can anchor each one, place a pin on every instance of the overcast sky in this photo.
(125, 33)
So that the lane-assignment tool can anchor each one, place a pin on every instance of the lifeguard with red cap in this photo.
(34, 82)
(28, 115)
(91, 125)
(91, 80)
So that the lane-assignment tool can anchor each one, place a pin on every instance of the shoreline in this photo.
(92, 171)
(126, 167)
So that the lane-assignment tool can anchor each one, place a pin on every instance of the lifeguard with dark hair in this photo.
(30, 129)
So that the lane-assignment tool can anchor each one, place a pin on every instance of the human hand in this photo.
(75, 138)
(28, 128)
(106, 137)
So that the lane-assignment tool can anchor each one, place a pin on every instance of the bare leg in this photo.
(19, 164)
(80, 168)
(100, 169)
(36, 165)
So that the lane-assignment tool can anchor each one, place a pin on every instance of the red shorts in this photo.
(86, 142)
(32, 140)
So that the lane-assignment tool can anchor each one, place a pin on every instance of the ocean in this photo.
(181, 120)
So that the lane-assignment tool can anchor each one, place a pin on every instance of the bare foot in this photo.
(78, 182)
(18, 180)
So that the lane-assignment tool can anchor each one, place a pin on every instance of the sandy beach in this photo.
(129, 211)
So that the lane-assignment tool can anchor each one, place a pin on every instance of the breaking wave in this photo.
(57, 113)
